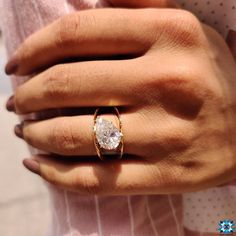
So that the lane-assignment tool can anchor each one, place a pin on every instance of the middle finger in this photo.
(79, 85)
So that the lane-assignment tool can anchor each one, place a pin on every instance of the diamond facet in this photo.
(108, 136)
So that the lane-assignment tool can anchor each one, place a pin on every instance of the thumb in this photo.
(143, 3)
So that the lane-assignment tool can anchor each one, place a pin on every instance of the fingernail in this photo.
(10, 104)
(19, 131)
(32, 165)
(12, 65)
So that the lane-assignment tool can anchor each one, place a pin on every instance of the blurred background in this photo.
(24, 203)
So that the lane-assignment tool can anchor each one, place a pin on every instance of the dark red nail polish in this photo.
(10, 104)
(32, 165)
(12, 65)
(19, 131)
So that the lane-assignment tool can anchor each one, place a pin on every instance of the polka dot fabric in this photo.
(203, 210)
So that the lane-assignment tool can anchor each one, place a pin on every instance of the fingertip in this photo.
(12, 65)
(32, 165)
(10, 106)
(19, 131)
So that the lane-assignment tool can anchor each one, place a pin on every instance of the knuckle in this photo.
(210, 90)
(82, 181)
(183, 77)
(72, 29)
(181, 175)
(63, 137)
(177, 140)
(213, 93)
(184, 29)
(171, 140)
(91, 186)
(175, 177)
(183, 84)
(186, 17)
(193, 86)
(67, 29)
(57, 83)
(171, 180)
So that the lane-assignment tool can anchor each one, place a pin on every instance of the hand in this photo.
(176, 90)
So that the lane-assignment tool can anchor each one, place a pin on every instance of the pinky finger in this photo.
(114, 177)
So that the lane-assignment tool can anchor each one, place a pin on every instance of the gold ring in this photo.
(108, 138)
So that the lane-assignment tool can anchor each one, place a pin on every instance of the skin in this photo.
(175, 87)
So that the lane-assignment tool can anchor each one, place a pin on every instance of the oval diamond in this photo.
(108, 136)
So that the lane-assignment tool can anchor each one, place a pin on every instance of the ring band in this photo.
(108, 139)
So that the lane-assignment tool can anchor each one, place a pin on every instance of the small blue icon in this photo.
(226, 227)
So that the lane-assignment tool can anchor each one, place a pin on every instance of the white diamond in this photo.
(108, 136)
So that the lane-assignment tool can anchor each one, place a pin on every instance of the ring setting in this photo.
(108, 138)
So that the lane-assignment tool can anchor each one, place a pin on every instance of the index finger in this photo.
(90, 34)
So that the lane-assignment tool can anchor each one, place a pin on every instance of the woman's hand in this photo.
(177, 92)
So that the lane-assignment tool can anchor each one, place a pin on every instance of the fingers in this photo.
(79, 35)
(111, 177)
(142, 4)
(70, 136)
(79, 85)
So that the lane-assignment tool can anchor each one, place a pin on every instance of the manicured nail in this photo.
(12, 65)
(32, 165)
(19, 131)
(10, 104)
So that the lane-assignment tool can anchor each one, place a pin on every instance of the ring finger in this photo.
(70, 136)
(73, 136)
